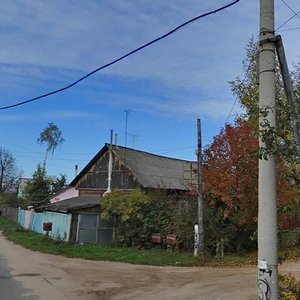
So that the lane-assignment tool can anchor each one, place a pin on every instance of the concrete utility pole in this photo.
(267, 206)
(200, 242)
(110, 163)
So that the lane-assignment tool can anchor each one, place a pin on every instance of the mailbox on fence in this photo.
(171, 239)
(156, 238)
(47, 226)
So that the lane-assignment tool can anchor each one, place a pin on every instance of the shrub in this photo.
(289, 287)
(126, 209)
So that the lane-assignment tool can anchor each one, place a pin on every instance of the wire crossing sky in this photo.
(122, 57)
(168, 85)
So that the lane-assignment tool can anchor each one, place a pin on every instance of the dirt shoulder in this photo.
(47, 276)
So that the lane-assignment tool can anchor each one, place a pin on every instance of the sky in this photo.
(46, 45)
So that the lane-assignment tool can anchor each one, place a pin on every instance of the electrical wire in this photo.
(296, 14)
(291, 9)
(236, 99)
(176, 150)
(52, 158)
(122, 57)
(289, 29)
(233, 105)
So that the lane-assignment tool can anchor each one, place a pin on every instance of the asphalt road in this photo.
(11, 289)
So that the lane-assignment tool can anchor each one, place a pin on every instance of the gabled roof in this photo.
(154, 171)
(151, 170)
(83, 201)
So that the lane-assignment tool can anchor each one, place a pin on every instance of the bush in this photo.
(289, 287)
(12, 200)
(137, 216)
(126, 210)
(289, 238)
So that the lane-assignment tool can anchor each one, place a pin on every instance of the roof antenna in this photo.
(127, 111)
(111, 138)
(116, 138)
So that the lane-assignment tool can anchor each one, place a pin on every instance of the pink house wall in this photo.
(65, 194)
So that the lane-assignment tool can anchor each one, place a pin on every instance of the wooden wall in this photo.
(96, 178)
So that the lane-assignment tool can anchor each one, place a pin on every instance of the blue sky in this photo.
(46, 45)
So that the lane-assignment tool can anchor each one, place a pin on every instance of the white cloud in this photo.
(82, 36)
(57, 41)
(53, 115)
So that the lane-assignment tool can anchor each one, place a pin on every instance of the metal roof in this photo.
(151, 170)
(154, 171)
(83, 201)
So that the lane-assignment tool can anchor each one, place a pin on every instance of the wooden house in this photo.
(116, 167)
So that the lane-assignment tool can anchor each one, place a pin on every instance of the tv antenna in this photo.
(127, 111)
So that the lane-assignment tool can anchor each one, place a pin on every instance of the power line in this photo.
(122, 57)
(19, 146)
(289, 29)
(296, 14)
(231, 110)
(242, 82)
(50, 158)
(42, 154)
(176, 150)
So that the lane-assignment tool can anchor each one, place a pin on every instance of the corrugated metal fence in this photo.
(93, 229)
(34, 221)
(89, 228)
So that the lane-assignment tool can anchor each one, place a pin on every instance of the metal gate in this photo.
(93, 229)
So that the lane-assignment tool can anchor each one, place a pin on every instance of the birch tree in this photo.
(52, 137)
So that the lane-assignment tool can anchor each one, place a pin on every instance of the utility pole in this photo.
(200, 240)
(110, 163)
(267, 207)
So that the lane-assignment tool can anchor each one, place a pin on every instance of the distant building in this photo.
(65, 193)
(21, 187)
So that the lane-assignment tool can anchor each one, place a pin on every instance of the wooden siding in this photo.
(91, 191)
(96, 178)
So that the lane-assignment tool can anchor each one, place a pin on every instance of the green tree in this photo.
(296, 81)
(278, 140)
(52, 137)
(9, 173)
(220, 231)
(38, 189)
(58, 183)
(231, 183)
(12, 200)
(42, 186)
